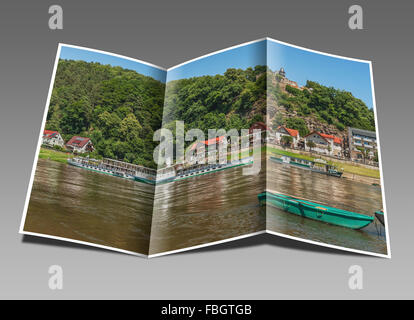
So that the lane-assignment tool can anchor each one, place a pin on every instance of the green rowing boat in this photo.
(315, 211)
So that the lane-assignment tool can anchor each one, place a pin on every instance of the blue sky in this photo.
(92, 56)
(300, 65)
(240, 58)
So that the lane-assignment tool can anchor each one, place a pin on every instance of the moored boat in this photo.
(315, 211)
(96, 166)
(380, 216)
(297, 162)
(151, 176)
(316, 166)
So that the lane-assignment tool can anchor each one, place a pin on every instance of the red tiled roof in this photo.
(292, 132)
(208, 142)
(334, 138)
(79, 142)
(259, 125)
(49, 133)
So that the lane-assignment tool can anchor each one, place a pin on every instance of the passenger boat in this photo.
(296, 162)
(201, 169)
(96, 166)
(326, 169)
(150, 176)
(319, 166)
(315, 211)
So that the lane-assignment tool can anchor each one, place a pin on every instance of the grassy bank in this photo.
(245, 153)
(289, 154)
(347, 167)
(355, 169)
(54, 155)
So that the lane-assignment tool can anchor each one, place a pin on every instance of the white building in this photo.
(283, 131)
(324, 143)
(79, 144)
(52, 138)
(362, 140)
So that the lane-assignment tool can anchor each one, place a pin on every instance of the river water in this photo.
(335, 192)
(74, 203)
(207, 208)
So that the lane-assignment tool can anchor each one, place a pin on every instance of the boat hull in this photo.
(99, 170)
(307, 166)
(315, 211)
(380, 216)
(292, 163)
(243, 162)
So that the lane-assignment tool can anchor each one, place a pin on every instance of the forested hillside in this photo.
(316, 106)
(232, 100)
(118, 109)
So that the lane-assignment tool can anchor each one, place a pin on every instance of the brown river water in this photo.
(75, 203)
(335, 192)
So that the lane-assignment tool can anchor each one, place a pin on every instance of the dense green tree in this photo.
(298, 124)
(118, 109)
(327, 104)
(286, 140)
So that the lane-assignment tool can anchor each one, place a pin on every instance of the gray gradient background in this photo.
(167, 33)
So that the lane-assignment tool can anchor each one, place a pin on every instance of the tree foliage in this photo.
(118, 109)
(327, 104)
(230, 101)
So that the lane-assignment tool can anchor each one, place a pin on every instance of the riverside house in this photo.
(324, 143)
(52, 138)
(362, 140)
(283, 131)
(79, 145)
(201, 152)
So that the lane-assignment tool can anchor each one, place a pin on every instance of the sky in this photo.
(87, 55)
(300, 65)
(240, 58)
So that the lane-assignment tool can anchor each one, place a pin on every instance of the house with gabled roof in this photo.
(324, 143)
(284, 131)
(52, 138)
(79, 144)
(201, 150)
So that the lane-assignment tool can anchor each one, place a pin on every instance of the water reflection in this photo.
(336, 192)
(78, 204)
(75, 203)
(207, 208)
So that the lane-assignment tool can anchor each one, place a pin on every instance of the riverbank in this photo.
(54, 155)
(353, 171)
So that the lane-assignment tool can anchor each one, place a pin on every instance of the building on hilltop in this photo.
(286, 81)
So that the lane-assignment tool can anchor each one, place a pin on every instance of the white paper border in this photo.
(39, 142)
(29, 190)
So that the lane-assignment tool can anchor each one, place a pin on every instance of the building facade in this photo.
(283, 131)
(362, 144)
(201, 151)
(324, 143)
(79, 145)
(52, 138)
